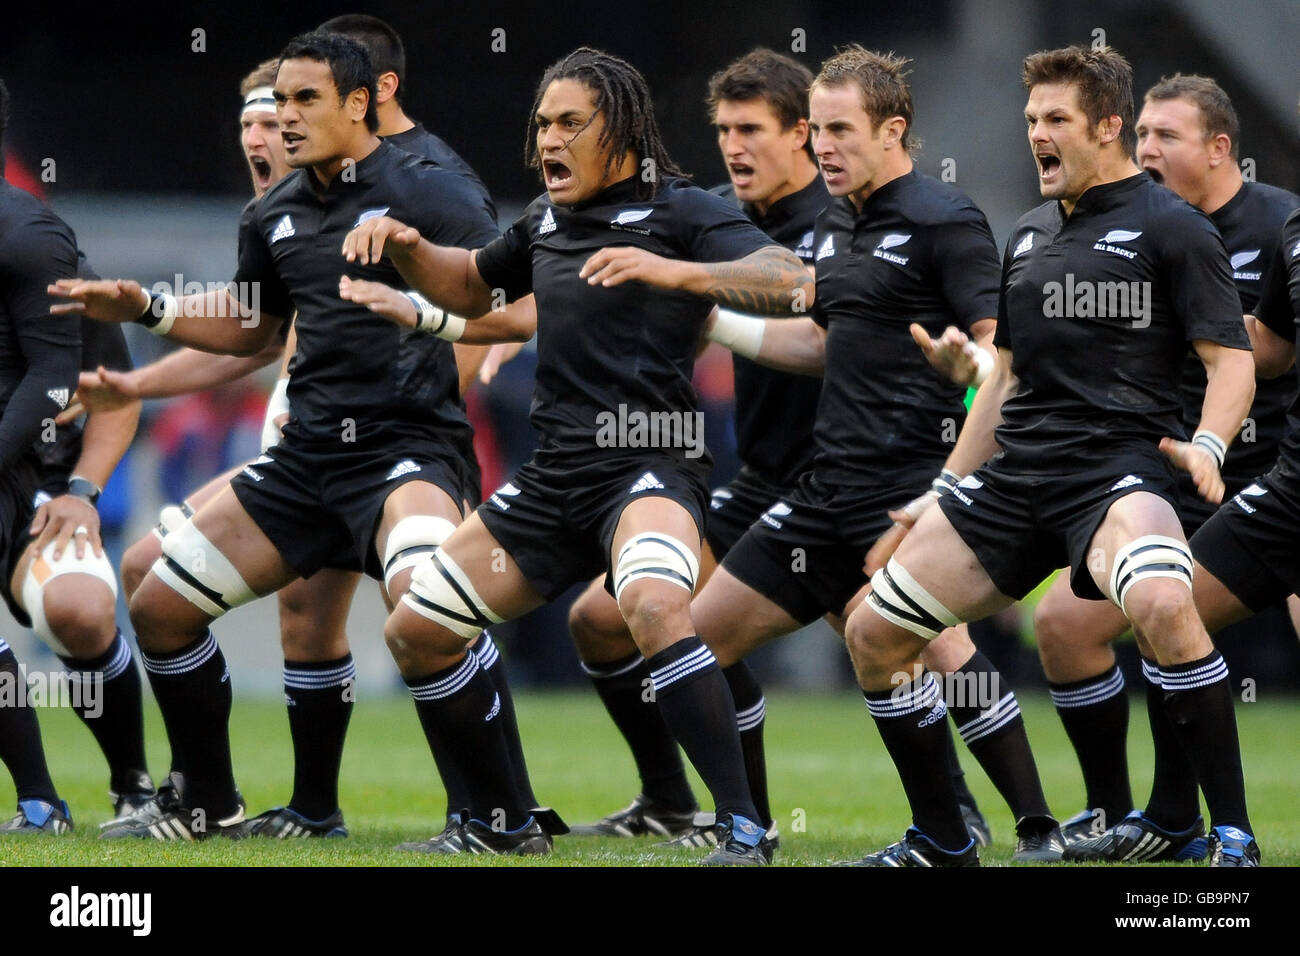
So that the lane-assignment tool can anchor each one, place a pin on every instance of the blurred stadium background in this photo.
(126, 122)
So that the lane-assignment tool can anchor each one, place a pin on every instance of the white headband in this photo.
(259, 100)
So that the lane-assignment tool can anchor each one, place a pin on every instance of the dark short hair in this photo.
(348, 61)
(762, 74)
(1102, 76)
(880, 79)
(381, 41)
(262, 75)
(1217, 114)
(621, 93)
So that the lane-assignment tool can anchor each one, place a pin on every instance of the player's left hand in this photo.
(615, 265)
(951, 354)
(369, 241)
(1198, 463)
(383, 300)
(905, 518)
(497, 356)
(67, 518)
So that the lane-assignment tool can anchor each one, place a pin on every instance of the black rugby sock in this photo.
(192, 687)
(1094, 713)
(320, 696)
(751, 711)
(20, 734)
(697, 707)
(624, 687)
(988, 718)
(459, 708)
(1175, 800)
(489, 659)
(955, 770)
(911, 721)
(1198, 700)
(111, 707)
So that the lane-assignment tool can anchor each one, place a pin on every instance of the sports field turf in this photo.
(834, 790)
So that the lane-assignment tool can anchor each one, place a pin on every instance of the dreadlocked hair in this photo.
(623, 96)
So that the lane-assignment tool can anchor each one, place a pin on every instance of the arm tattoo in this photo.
(763, 283)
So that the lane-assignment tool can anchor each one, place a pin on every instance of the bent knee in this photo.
(652, 607)
(79, 611)
(1159, 606)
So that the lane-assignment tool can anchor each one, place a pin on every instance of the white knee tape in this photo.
(413, 539)
(44, 568)
(192, 567)
(1151, 556)
(897, 598)
(171, 517)
(443, 593)
(654, 555)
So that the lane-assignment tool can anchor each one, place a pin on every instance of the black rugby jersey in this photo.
(1279, 309)
(775, 410)
(354, 370)
(1098, 310)
(626, 350)
(102, 343)
(1251, 226)
(919, 251)
(40, 353)
(434, 148)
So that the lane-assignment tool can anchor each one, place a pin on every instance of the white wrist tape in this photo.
(431, 319)
(743, 334)
(276, 405)
(983, 363)
(163, 308)
(1211, 443)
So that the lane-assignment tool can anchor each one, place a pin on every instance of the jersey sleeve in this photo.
(507, 261)
(256, 280)
(713, 229)
(1274, 308)
(1199, 282)
(448, 210)
(1002, 334)
(966, 258)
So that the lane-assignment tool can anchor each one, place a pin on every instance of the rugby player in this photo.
(624, 257)
(1187, 139)
(367, 474)
(1087, 408)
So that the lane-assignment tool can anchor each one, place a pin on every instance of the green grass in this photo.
(834, 789)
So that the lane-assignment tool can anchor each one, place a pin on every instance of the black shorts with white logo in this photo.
(737, 505)
(557, 519)
(321, 507)
(806, 551)
(18, 486)
(1251, 542)
(1024, 527)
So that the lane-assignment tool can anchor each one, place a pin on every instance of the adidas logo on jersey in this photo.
(1105, 243)
(403, 467)
(778, 510)
(827, 249)
(283, 229)
(548, 223)
(889, 242)
(59, 396)
(1023, 246)
(1128, 481)
(1245, 258)
(505, 491)
(646, 482)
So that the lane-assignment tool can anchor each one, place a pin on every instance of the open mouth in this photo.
(741, 173)
(261, 170)
(1048, 165)
(556, 174)
(291, 140)
(1155, 174)
(830, 170)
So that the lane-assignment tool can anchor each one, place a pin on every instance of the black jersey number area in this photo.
(1098, 309)
(629, 349)
(350, 378)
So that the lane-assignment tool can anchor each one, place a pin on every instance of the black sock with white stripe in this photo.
(987, 716)
(459, 709)
(489, 658)
(113, 710)
(751, 711)
(1198, 700)
(1175, 801)
(697, 707)
(1094, 713)
(20, 734)
(912, 723)
(320, 696)
(621, 686)
(192, 687)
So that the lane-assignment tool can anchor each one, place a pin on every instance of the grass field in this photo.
(835, 793)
